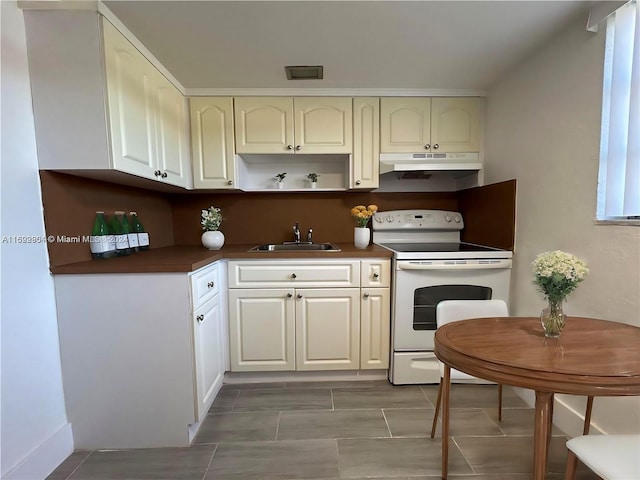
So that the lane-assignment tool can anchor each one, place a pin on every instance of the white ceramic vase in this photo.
(361, 237)
(213, 240)
(314, 184)
(280, 185)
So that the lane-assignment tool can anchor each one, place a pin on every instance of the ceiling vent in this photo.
(304, 72)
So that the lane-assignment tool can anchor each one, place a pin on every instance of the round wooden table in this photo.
(591, 357)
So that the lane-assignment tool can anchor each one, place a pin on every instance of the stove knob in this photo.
(389, 219)
(457, 219)
(378, 218)
(447, 218)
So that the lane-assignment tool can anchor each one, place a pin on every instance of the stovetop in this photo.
(428, 235)
(438, 247)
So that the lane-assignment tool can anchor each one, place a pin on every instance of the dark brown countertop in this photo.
(190, 258)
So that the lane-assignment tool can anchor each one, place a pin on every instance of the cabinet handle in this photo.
(210, 284)
(375, 275)
(164, 175)
(294, 276)
(298, 147)
(358, 182)
(427, 146)
(289, 295)
(299, 296)
(230, 182)
(366, 295)
(289, 147)
(200, 318)
(157, 173)
(436, 146)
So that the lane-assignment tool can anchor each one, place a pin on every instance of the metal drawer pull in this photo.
(294, 276)
(210, 284)
(299, 295)
(200, 318)
(375, 275)
(289, 295)
(366, 295)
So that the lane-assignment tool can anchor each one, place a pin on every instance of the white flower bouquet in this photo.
(558, 273)
(211, 219)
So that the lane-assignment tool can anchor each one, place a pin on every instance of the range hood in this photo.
(430, 162)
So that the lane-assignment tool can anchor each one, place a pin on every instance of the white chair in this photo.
(449, 311)
(611, 457)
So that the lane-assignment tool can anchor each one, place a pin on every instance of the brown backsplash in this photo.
(70, 204)
(253, 218)
(489, 214)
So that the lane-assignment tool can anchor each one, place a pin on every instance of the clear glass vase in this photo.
(553, 319)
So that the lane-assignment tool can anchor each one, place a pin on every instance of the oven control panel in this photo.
(417, 220)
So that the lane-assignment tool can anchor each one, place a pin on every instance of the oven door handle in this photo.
(494, 264)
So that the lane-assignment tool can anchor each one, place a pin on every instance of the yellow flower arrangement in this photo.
(362, 214)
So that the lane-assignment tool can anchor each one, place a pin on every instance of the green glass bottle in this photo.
(132, 237)
(122, 241)
(101, 242)
(143, 237)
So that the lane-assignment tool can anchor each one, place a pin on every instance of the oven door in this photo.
(421, 284)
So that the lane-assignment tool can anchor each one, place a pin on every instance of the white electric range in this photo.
(431, 264)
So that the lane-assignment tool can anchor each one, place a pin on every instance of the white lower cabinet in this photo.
(208, 341)
(261, 329)
(327, 329)
(143, 355)
(308, 316)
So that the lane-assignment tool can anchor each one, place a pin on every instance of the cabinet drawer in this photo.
(311, 273)
(205, 284)
(375, 273)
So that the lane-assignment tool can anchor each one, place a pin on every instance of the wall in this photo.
(543, 128)
(36, 436)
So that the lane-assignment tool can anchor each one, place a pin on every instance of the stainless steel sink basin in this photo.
(295, 247)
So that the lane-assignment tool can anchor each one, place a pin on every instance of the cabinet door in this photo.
(209, 353)
(456, 124)
(365, 172)
(172, 133)
(131, 105)
(327, 329)
(264, 124)
(323, 124)
(374, 328)
(405, 124)
(261, 330)
(212, 142)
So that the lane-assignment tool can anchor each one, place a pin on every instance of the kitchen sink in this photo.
(295, 247)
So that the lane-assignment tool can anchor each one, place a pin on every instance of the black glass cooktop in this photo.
(439, 247)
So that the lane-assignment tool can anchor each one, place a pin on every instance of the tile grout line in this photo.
(278, 425)
(206, 470)
(79, 465)
(386, 423)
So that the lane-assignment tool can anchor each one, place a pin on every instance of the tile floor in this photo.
(336, 430)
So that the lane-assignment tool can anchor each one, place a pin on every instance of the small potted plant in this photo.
(280, 179)
(313, 178)
(210, 221)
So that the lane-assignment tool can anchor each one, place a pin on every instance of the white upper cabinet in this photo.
(365, 168)
(212, 142)
(293, 125)
(128, 123)
(147, 115)
(405, 124)
(438, 124)
(457, 124)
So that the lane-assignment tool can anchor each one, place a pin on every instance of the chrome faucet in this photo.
(296, 232)
(309, 235)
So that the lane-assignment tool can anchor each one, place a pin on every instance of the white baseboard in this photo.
(321, 376)
(565, 417)
(45, 458)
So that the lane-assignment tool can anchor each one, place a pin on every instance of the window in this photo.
(619, 175)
